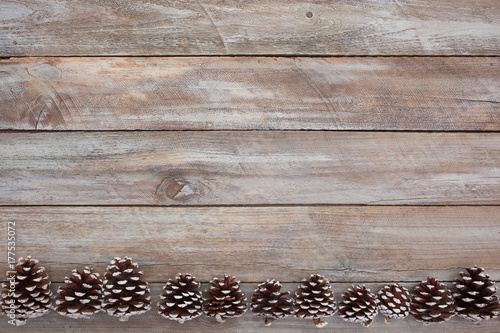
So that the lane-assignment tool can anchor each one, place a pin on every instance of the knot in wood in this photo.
(179, 189)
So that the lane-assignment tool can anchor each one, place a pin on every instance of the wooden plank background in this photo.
(266, 139)
(211, 27)
(250, 93)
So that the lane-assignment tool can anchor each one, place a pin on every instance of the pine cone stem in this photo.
(319, 323)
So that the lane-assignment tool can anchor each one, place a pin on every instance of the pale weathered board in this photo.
(210, 27)
(253, 167)
(250, 93)
(347, 244)
(153, 322)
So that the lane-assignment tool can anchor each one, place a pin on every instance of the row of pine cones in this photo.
(123, 294)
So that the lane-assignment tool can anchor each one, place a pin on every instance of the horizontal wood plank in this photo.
(346, 244)
(210, 27)
(250, 93)
(152, 322)
(249, 168)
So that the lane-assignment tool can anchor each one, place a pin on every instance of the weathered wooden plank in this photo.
(250, 93)
(347, 244)
(152, 322)
(210, 27)
(207, 168)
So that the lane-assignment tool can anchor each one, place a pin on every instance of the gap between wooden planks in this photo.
(346, 244)
(151, 321)
(210, 27)
(241, 93)
(249, 168)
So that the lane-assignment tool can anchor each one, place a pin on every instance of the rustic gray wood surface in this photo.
(152, 322)
(346, 244)
(255, 167)
(210, 27)
(250, 93)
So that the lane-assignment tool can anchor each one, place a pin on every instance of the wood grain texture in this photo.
(346, 244)
(210, 27)
(223, 168)
(152, 322)
(250, 93)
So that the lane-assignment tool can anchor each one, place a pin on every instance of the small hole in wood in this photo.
(309, 14)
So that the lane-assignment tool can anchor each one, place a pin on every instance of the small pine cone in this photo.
(269, 302)
(225, 299)
(125, 294)
(315, 300)
(181, 300)
(82, 297)
(476, 299)
(432, 302)
(394, 302)
(359, 305)
(30, 297)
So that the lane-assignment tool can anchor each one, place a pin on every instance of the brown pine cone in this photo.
(125, 294)
(315, 300)
(359, 305)
(476, 299)
(225, 299)
(394, 302)
(269, 302)
(432, 302)
(181, 300)
(82, 297)
(30, 297)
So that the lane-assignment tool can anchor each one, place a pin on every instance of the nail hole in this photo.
(309, 14)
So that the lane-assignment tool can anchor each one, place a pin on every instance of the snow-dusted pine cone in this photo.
(476, 299)
(358, 305)
(30, 294)
(225, 299)
(315, 300)
(394, 302)
(82, 297)
(269, 302)
(125, 294)
(432, 302)
(181, 300)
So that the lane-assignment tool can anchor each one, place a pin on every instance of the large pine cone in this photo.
(476, 299)
(269, 302)
(225, 299)
(125, 294)
(82, 297)
(30, 297)
(359, 305)
(394, 302)
(181, 300)
(432, 302)
(315, 300)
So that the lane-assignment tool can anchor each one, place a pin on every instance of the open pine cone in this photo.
(83, 295)
(476, 299)
(394, 302)
(269, 302)
(30, 297)
(432, 302)
(315, 300)
(225, 299)
(359, 305)
(181, 300)
(125, 294)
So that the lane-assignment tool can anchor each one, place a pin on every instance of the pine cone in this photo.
(225, 299)
(476, 299)
(394, 302)
(125, 294)
(359, 305)
(269, 302)
(315, 300)
(432, 302)
(181, 300)
(82, 297)
(30, 297)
